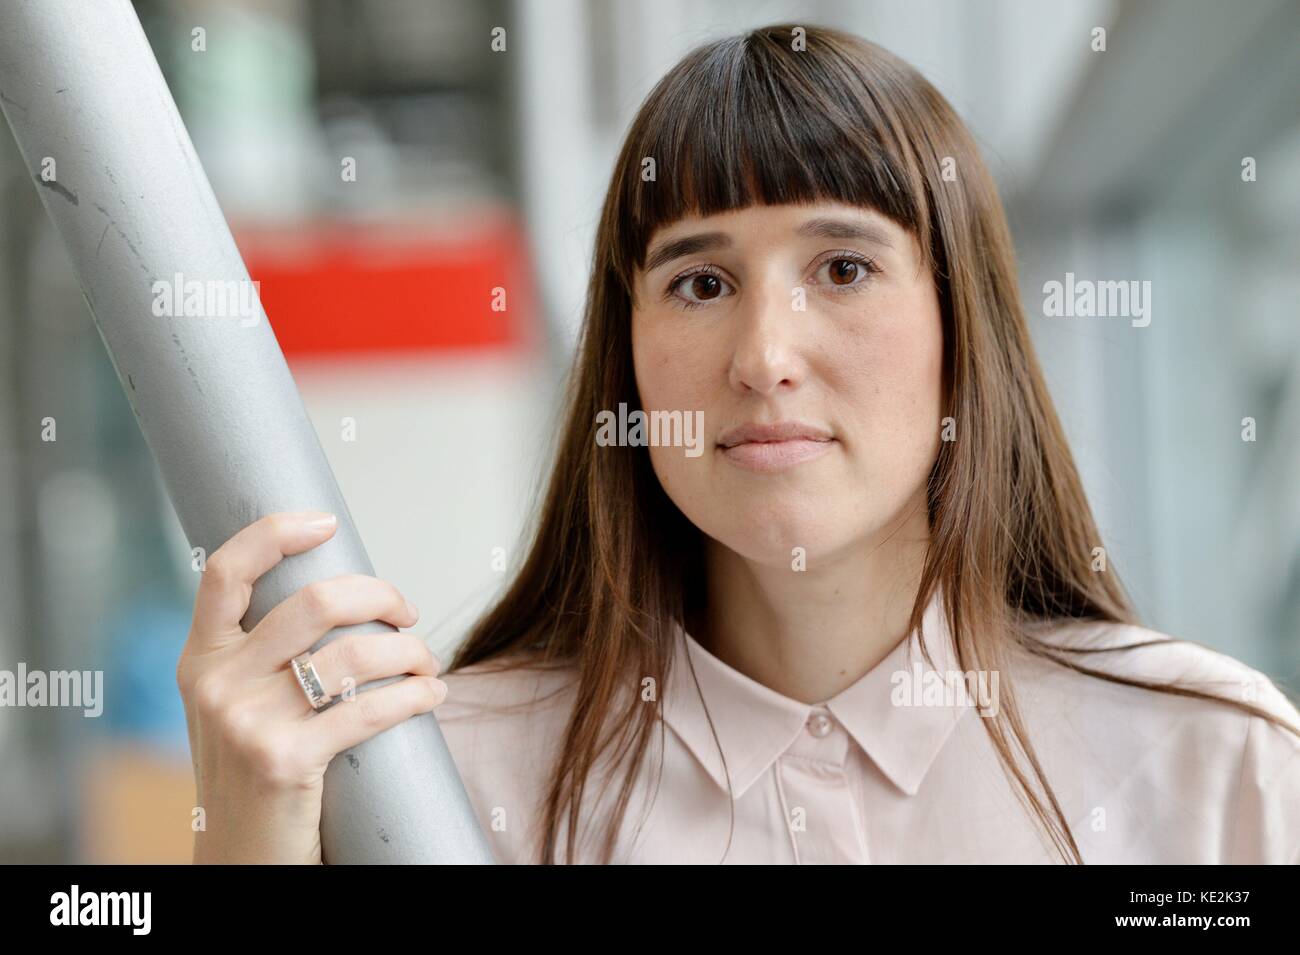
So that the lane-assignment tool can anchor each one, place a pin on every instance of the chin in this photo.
(769, 539)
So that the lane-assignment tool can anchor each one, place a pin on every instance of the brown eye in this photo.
(706, 287)
(697, 289)
(843, 271)
(848, 272)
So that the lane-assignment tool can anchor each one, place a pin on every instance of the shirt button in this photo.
(819, 725)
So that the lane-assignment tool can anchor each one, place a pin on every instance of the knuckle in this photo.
(371, 587)
(370, 710)
(207, 695)
(357, 657)
(219, 567)
(277, 524)
(239, 728)
(318, 598)
(273, 760)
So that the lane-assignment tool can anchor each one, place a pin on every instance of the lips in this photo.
(754, 433)
(774, 447)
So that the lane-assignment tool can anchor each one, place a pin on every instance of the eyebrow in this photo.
(822, 228)
(689, 245)
(845, 229)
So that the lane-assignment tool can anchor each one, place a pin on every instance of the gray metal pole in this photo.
(118, 175)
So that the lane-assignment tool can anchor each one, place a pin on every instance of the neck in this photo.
(810, 634)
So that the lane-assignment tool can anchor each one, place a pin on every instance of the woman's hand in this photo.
(259, 750)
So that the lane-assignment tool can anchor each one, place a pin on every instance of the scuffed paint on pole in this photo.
(118, 175)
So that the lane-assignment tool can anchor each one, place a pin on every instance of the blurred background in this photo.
(477, 168)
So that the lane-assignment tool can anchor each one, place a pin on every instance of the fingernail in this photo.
(412, 609)
(439, 685)
(320, 521)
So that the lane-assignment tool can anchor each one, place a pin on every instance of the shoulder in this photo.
(1139, 653)
(507, 699)
(503, 721)
(1235, 772)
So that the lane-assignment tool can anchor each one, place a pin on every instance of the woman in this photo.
(839, 597)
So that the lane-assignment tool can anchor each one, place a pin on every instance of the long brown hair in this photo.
(613, 564)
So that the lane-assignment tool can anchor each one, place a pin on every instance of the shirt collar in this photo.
(755, 724)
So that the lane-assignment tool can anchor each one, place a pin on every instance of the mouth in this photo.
(774, 447)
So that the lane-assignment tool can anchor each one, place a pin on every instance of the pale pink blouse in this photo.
(899, 767)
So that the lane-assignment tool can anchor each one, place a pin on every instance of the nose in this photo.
(765, 356)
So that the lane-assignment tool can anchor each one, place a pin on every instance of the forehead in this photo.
(823, 219)
(788, 214)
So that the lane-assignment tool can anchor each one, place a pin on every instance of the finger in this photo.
(298, 622)
(285, 694)
(226, 585)
(351, 662)
(349, 722)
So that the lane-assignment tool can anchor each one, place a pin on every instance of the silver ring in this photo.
(309, 680)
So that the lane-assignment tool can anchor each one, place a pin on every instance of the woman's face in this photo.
(810, 338)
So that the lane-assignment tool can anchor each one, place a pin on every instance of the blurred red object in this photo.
(336, 290)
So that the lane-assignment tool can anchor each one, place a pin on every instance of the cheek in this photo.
(889, 371)
(674, 372)
(673, 368)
